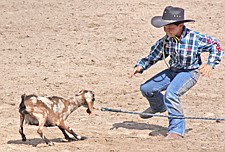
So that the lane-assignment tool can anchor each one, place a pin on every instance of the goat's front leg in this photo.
(42, 121)
(21, 127)
(70, 130)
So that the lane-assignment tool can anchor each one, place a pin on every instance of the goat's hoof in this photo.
(70, 139)
(24, 139)
(81, 138)
(50, 143)
(78, 137)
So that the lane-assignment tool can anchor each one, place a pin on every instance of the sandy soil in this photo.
(51, 47)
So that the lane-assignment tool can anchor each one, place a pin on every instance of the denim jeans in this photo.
(175, 83)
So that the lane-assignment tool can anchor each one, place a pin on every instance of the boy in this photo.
(184, 47)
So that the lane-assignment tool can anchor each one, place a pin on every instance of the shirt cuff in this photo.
(211, 64)
(141, 66)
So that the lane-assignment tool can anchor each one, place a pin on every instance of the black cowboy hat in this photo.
(170, 15)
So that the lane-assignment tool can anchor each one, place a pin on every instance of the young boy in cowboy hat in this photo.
(184, 47)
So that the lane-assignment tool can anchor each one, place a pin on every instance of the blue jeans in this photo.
(175, 83)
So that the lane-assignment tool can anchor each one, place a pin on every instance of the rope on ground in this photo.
(160, 115)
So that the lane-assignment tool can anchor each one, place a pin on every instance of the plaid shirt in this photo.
(186, 52)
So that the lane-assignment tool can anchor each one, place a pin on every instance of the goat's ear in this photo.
(80, 92)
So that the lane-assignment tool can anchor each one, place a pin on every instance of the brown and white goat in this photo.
(52, 111)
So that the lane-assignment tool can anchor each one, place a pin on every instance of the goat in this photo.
(52, 111)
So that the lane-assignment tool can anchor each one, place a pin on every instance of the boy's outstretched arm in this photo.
(137, 69)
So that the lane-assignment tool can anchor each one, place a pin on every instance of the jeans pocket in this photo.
(190, 82)
(195, 74)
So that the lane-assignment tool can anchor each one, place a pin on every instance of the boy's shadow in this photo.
(156, 129)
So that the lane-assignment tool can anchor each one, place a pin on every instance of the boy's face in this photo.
(173, 30)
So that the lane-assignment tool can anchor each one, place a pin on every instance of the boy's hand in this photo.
(205, 70)
(137, 69)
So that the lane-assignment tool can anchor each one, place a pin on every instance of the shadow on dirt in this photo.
(137, 126)
(156, 129)
(36, 141)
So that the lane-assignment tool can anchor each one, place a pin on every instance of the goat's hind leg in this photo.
(21, 127)
(42, 121)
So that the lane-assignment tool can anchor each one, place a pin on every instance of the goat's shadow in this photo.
(36, 141)
(156, 129)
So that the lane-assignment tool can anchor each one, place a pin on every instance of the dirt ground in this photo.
(51, 47)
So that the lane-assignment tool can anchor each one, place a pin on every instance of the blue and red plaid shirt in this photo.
(184, 53)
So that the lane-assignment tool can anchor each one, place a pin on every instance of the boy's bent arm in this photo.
(211, 45)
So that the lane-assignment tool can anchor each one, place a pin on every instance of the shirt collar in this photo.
(184, 33)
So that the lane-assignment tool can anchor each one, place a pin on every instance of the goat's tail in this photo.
(22, 107)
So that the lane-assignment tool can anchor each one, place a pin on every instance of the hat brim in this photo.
(158, 22)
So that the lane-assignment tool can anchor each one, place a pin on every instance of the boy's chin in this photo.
(170, 35)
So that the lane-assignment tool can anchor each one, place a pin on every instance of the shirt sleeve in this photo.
(211, 45)
(154, 56)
